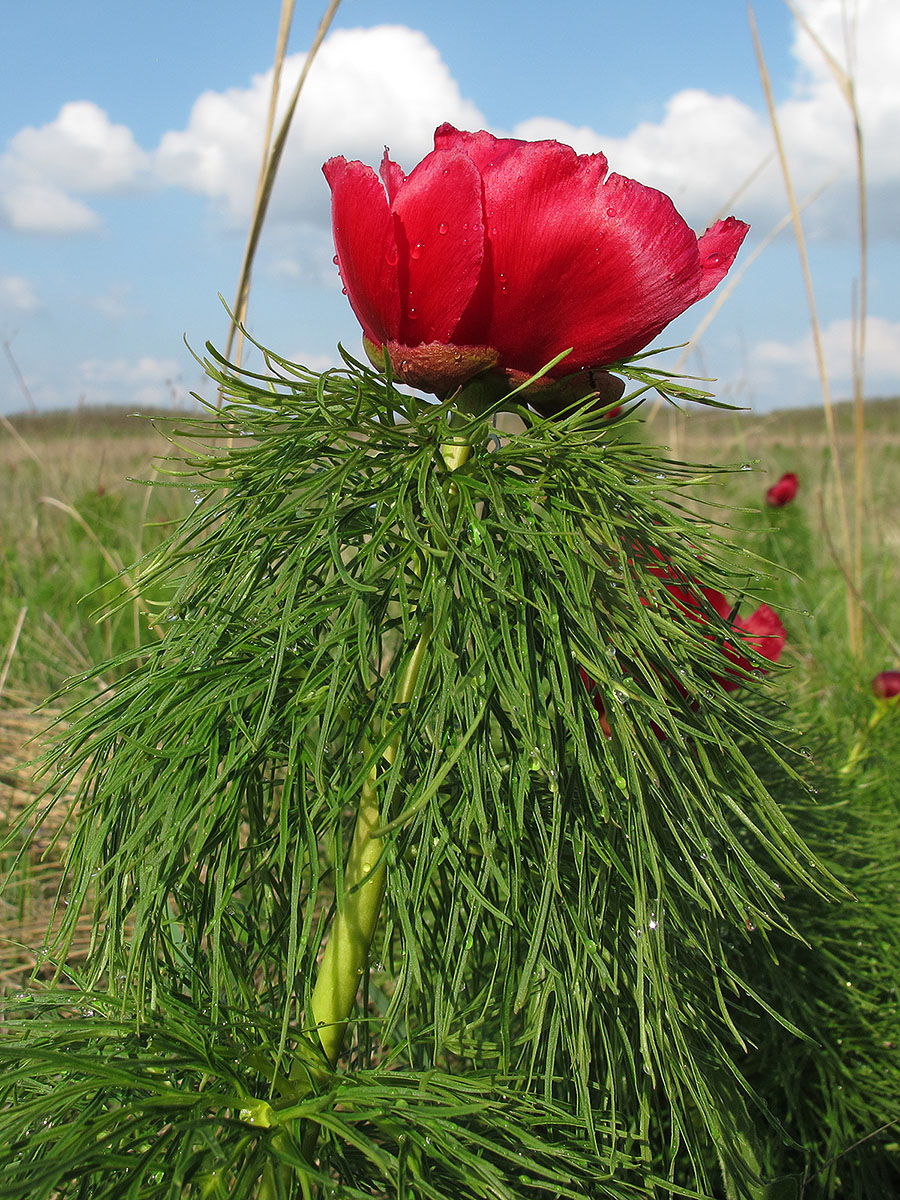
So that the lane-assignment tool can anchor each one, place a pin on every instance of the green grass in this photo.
(808, 581)
(72, 517)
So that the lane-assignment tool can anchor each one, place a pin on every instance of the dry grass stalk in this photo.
(271, 159)
(853, 618)
(11, 649)
(19, 440)
(847, 86)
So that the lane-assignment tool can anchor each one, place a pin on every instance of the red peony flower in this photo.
(886, 685)
(782, 492)
(497, 254)
(762, 630)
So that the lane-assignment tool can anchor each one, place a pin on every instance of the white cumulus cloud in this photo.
(882, 355)
(145, 382)
(44, 170)
(706, 146)
(700, 153)
(367, 88)
(18, 294)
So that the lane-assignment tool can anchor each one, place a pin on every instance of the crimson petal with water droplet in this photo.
(364, 240)
(438, 273)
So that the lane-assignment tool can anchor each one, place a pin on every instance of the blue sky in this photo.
(129, 141)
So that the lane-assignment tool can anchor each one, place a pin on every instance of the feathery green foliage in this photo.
(373, 592)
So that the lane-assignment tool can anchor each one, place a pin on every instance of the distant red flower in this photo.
(497, 254)
(762, 630)
(782, 492)
(886, 685)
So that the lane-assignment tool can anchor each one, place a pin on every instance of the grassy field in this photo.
(72, 519)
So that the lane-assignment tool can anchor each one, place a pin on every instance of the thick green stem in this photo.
(347, 952)
(346, 955)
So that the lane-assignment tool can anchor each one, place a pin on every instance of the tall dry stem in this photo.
(722, 296)
(271, 157)
(853, 618)
(847, 85)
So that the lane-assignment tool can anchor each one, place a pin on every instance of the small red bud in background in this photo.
(782, 492)
(886, 685)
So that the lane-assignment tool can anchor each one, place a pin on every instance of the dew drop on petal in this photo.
(335, 260)
(610, 212)
(392, 256)
(443, 227)
(416, 250)
(412, 314)
(714, 260)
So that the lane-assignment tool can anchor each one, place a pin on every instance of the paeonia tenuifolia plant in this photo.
(446, 844)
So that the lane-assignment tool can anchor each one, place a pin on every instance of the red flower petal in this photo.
(482, 148)
(762, 629)
(520, 251)
(718, 249)
(366, 249)
(576, 262)
(784, 491)
(719, 603)
(440, 235)
(766, 634)
(392, 176)
(885, 685)
(538, 200)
